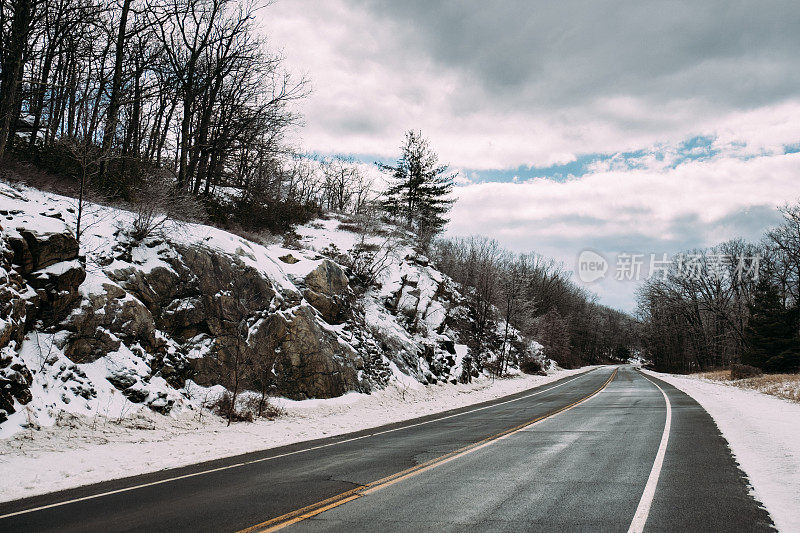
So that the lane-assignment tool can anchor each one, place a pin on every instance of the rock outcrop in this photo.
(314, 363)
(328, 291)
(271, 341)
(42, 273)
(104, 321)
(153, 319)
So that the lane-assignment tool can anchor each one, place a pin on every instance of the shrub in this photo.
(333, 252)
(368, 261)
(352, 227)
(158, 204)
(262, 407)
(532, 366)
(744, 371)
(224, 407)
(248, 407)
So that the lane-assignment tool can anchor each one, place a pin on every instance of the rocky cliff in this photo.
(113, 324)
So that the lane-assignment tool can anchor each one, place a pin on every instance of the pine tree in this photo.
(771, 334)
(420, 188)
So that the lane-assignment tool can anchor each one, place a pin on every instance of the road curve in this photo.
(585, 453)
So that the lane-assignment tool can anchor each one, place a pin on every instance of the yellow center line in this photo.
(319, 507)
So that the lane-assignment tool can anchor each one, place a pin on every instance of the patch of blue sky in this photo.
(695, 148)
(701, 147)
(791, 148)
(363, 158)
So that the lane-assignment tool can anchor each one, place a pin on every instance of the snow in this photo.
(61, 387)
(78, 451)
(763, 433)
(58, 269)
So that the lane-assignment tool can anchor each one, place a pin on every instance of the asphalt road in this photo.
(586, 453)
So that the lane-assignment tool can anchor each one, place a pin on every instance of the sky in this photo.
(643, 127)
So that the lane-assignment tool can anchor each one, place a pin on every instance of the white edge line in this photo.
(263, 459)
(643, 510)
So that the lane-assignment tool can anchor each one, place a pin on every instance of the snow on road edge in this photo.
(763, 433)
(84, 451)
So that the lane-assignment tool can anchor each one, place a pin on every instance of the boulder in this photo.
(222, 274)
(334, 309)
(327, 290)
(267, 335)
(123, 378)
(161, 404)
(202, 291)
(328, 279)
(260, 349)
(15, 382)
(47, 249)
(21, 256)
(103, 320)
(46, 262)
(185, 315)
(14, 300)
(313, 363)
(137, 393)
(61, 276)
(155, 288)
(57, 286)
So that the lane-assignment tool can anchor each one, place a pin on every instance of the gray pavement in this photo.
(583, 469)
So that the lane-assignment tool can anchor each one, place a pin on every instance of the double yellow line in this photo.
(298, 515)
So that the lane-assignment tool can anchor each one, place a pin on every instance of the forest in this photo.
(133, 97)
(736, 302)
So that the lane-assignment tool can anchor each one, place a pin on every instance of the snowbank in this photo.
(79, 451)
(764, 435)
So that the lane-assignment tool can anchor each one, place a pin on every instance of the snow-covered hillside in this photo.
(117, 326)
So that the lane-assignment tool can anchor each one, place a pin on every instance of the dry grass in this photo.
(785, 386)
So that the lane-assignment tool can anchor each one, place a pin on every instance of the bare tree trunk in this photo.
(12, 68)
(73, 89)
(80, 204)
(38, 106)
(116, 86)
(162, 141)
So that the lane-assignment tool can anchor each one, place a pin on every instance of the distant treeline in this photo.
(536, 297)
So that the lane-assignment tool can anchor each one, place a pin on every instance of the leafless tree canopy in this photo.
(703, 318)
(536, 297)
(118, 88)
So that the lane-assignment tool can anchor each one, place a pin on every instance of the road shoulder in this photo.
(763, 433)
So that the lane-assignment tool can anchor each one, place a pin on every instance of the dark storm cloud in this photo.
(732, 53)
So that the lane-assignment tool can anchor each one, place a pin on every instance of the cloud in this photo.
(695, 204)
(737, 52)
(654, 125)
(498, 85)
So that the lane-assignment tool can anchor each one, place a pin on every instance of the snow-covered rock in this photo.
(121, 325)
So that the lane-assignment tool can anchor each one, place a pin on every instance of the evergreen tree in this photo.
(420, 188)
(771, 335)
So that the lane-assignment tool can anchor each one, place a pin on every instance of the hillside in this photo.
(170, 322)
